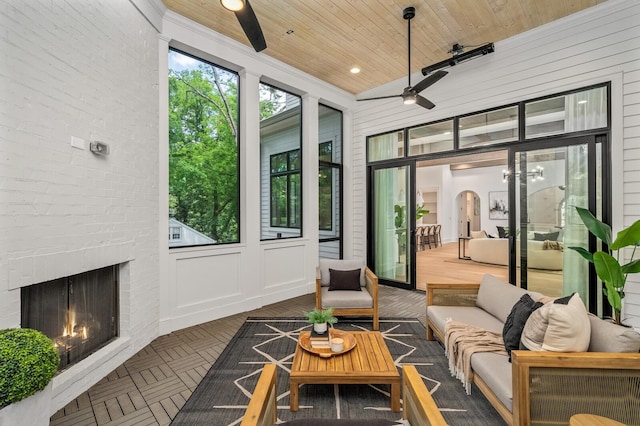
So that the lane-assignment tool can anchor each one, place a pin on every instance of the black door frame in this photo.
(592, 142)
(411, 225)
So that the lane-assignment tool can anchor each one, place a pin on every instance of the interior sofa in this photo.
(418, 407)
(496, 251)
(542, 387)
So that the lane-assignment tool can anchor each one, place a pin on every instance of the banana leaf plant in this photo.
(607, 263)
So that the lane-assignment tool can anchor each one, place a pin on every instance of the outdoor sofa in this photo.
(542, 387)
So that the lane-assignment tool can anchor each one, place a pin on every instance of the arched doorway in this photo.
(468, 208)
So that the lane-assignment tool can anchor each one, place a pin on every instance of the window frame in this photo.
(238, 153)
(289, 173)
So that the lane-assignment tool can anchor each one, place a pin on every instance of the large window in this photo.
(203, 153)
(330, 182)
(285, 189)
(281, 163)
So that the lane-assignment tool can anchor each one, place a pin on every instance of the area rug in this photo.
(223, 394)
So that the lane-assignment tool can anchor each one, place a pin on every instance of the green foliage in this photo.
(319, 316)
(28, 361)
(420, 212)
(607, 263)
(399, 216)
(203, 151)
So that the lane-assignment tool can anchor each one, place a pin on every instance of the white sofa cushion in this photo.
(495, 370)
(497, 297)
(466, 314)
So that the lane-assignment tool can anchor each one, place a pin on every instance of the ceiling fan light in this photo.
(232, 5)
(409, 99)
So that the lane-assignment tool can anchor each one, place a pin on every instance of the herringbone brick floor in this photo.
(152, 386)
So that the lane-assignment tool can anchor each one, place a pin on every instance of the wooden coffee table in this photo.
(368, 363)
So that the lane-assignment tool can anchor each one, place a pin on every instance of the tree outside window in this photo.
(203, 152)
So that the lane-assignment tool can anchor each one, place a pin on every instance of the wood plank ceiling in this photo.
(326, 38)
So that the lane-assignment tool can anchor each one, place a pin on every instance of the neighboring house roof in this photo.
(188, 235)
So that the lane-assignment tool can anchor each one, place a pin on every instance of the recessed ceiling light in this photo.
(355, 70)
(582, 102)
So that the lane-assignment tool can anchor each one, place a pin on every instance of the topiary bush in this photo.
(28, 361)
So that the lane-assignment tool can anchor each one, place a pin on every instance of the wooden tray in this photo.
(349, 343)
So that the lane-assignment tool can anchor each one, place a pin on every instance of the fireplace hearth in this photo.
(79, 313)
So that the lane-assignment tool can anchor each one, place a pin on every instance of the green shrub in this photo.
(28, 361)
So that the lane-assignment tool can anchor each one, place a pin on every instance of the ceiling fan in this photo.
(411, 95)
(248, 21)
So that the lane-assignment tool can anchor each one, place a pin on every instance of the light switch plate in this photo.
(77, 142)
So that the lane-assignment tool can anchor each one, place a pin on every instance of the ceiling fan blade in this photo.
(249, 23)
(380, 97)
(424, 102)
(429, 80)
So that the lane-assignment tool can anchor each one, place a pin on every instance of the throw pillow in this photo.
(559, 326)
(550, 236)
(515, 322)
(503, 232)
(478, 234)
(344, 280)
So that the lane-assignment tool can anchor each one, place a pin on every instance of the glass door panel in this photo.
(391, 225)
(549, 184)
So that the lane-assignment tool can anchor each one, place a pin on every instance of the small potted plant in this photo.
(320, 318)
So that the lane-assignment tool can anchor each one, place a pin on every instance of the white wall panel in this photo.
(284, 266)
(206, 279)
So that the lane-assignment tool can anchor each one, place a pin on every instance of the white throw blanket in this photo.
(463, 340)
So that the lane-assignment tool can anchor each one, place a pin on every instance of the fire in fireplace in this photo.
(79, 313)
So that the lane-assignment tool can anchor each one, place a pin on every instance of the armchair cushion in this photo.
(344, 280)
(342, 265)
(346, 299)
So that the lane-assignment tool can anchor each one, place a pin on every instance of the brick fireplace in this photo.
(80, 313)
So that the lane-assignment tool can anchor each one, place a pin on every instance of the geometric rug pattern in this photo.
(223, 394)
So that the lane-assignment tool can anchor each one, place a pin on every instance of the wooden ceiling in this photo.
(326, 38)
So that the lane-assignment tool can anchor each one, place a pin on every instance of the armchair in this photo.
(348, 302)
(418, 408)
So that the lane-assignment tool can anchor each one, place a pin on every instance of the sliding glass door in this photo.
(391, 227)
(547, 183)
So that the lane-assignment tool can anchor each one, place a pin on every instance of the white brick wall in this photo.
(88, 70)
(596, 45)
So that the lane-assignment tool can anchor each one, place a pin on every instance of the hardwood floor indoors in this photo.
(441, 265)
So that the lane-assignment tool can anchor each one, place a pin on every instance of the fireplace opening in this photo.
(79, 313)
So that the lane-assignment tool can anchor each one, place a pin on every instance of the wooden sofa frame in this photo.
(418, 405)
(550, 383)
(371, 284)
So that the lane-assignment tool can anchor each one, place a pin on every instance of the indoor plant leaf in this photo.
(631, 267)
(595, 226)
(629, 236)
(584, 253)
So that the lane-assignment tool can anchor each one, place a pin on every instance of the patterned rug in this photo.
(223, 394)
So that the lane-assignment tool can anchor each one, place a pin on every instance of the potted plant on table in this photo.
(28, 362)
(607, 263)
(320, 318)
